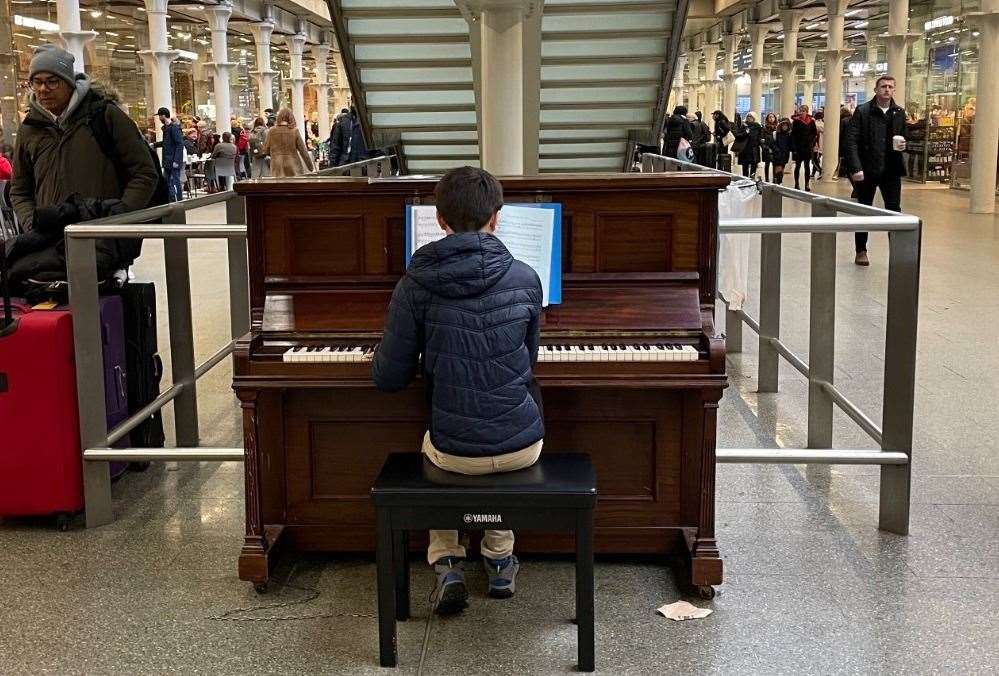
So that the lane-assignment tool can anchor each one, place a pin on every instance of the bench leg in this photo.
(584, 590)
(386, 591)
(400, 564)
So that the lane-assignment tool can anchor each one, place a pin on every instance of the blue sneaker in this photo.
(451, 593)
(502, 576)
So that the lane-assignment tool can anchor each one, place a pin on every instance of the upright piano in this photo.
(630, 368)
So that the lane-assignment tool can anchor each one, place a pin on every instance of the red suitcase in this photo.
(40, 463)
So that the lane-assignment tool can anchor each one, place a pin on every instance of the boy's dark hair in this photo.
(467, 198)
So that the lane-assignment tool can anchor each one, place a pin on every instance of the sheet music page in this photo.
(527, 234)
(425, 227)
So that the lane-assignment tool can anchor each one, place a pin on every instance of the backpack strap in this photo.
(98, 124)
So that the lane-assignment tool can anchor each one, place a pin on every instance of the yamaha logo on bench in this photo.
(483, 518)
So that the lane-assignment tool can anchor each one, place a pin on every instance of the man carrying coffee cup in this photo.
(875, 141)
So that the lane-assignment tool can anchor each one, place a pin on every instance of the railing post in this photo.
(81, 260)
(900, 376)
(239, 278)
(647, 164)
(178, 281)
(821, 333)
(770, 273)
(733, 331)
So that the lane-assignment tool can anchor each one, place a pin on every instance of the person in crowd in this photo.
(78, 156)
(677, 128)
(243, 146)
(191, 140)
(258, 137)
(347, 144)
(464, 306)
(781, 146)
(721, 130)
(205, 144)
(844, 120)
(698, 131)
(803, 134)
(173, 154)
(769, 129)
(224, 158)
(752, 133)
(286, 147)
(820, 128)
(873, 154)
(270, 116)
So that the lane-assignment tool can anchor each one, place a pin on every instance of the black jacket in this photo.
(474, 314)
(700, 133)
(173, 147)
(722, 128)
(868, 140)
(677, 127)
(750, 153)
(780, 147)
(803, 135)
(347, 141)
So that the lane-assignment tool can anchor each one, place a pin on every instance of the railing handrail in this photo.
(381, 159)
(809, 224)
(93, 229)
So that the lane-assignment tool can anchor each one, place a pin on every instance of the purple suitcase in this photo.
(112, 315)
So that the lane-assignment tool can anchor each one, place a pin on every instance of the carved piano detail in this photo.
(630, 369)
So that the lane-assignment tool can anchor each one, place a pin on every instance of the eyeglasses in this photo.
(51, 83)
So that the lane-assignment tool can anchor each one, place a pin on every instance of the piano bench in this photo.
(558, 492)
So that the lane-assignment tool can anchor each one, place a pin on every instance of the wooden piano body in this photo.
(638, 267)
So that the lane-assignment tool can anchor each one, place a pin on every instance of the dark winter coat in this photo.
(780, 147)
(803, 135)
(750, 153)
(868, 145)
(699, 133)
(347, 142)
(677, 127)
(722, 128)
(473, 313)
(173, 147)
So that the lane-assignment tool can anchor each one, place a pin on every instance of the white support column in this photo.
(710, 80)
(679, 93)
(985, 142)
(321, 52)
(694, 85)
(870, 75)
(342, 86)
(296, 46)
(71, 32)
(159, 55)
(897, 41)
(201, 73)
(835, 55)
(790, 19)
(502, 83)
(218, 21)
(732, 42)
(758, 36)
(264, 74)
(809, 81)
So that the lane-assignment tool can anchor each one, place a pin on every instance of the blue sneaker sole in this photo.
(453, 600)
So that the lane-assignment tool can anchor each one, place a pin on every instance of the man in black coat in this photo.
(677, 128)
(347, 141)
(173, 154)
(467, 316)
(873, 161)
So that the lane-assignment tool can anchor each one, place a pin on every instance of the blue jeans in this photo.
(174, 188)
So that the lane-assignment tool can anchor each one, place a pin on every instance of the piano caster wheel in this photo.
(706, 591)
(260, 587)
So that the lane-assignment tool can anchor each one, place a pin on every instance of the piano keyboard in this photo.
(638, 352)
(547, 353)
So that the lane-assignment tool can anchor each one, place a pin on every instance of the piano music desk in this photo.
(638, 272)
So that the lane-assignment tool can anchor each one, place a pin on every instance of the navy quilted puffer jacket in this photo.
(473, 312)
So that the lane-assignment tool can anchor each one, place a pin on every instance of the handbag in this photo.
(684, 151)
(729, 139)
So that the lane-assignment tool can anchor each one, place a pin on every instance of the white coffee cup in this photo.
(898, 143)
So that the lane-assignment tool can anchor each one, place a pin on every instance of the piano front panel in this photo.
(337, 440)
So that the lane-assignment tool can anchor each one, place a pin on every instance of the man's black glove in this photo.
(90, 208)
(53, 219)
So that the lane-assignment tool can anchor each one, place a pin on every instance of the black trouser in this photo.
(766, 170)
(891, 193)
(816, 163)
(779, 174)
(808, 171)
(750, 169)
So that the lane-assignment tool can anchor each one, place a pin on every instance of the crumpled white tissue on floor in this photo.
(681, 610)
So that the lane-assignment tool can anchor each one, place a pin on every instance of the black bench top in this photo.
(565, 479)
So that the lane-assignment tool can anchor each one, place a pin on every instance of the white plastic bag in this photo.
(740, 200)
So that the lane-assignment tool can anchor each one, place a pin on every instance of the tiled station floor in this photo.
(811, 585)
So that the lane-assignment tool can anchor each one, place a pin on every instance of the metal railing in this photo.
(374, 167)
(95, 437)
(894, 436)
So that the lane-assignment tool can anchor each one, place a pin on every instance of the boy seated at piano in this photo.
(473, 312)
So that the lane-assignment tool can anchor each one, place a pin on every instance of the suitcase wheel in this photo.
(63, 521)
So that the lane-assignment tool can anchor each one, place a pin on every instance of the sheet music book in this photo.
(532, 233)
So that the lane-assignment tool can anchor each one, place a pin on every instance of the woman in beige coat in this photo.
(285, 146)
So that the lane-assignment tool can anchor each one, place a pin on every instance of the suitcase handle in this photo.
(122, 394)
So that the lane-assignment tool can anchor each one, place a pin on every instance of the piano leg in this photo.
(260, 546)
(705, 560)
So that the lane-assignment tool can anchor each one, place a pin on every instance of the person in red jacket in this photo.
(6, 170)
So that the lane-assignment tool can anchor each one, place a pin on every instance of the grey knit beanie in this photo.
(52, 59)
